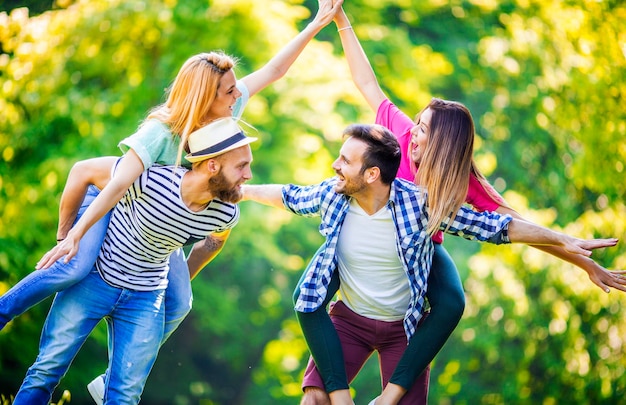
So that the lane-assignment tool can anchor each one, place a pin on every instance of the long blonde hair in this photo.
(190, 96)
(447, 162)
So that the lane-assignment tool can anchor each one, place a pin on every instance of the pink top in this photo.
(400, 125)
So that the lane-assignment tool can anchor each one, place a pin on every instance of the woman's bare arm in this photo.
(128, 170)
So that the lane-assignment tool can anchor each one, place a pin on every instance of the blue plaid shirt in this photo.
(414, 246)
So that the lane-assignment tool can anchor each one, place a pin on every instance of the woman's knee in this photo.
(445, 290)
(454, 305)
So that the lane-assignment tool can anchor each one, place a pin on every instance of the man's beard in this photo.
(224, 190)
(351, 187)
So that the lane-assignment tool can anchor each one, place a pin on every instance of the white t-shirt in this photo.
(373, 281)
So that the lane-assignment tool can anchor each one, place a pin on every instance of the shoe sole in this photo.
(96, 394)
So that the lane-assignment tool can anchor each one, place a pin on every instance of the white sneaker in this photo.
(373, 402)
(96, 390)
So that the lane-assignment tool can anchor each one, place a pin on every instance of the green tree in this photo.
(544, 81)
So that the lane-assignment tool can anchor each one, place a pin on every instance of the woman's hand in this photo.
(67, 247)
(604, 278)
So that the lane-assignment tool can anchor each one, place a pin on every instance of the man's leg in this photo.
(357, 335)
(136, 331)
(178, 296)
(41, 284)
(391, 348)
(74, 314)
(178, 300)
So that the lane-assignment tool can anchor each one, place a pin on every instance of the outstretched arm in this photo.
(268, 194)
(278, 66)
(362, 73)
(603, 278)
(128, 170)
(521, 231)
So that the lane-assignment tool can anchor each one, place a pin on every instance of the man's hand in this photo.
(586, 246)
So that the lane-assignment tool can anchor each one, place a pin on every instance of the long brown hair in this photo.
(191, 95)
(447, 162)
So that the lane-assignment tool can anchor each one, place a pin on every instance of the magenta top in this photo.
(400, 125)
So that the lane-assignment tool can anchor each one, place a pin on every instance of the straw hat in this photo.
(216, 138)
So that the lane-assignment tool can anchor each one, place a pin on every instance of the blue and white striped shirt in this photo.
(149, 223)
(413, 244)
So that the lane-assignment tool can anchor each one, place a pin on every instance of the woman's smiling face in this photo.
(419, 136)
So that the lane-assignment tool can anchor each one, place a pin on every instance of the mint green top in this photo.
(154, 143)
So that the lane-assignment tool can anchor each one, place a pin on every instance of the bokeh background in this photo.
(545, 81)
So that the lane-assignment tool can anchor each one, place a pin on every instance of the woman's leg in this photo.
(74, 314)
(322, 339)
(447, 303)
(41, 284)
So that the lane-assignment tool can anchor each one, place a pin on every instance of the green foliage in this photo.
(545, 82)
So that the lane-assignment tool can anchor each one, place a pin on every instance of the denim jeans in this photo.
(41, 284)
(178, 296)
(135, 320)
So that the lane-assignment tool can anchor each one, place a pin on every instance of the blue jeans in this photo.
(135, 320)
(41, 284)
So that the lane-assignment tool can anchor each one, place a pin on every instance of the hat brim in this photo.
(199, 156)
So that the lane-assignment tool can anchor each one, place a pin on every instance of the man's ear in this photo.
(372, 174)
(213, 166)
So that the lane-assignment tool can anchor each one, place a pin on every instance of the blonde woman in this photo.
(204, 90)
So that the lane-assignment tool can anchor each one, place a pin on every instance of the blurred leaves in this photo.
(545, 82)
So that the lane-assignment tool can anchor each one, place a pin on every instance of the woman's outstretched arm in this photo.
(362, 73)
(278, 66)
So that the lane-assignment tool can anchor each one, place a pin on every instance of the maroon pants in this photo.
(360, 337)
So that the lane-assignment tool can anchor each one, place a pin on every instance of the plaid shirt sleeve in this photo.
(306, 200)
(482, 226)
(318, 200)
(411, 219)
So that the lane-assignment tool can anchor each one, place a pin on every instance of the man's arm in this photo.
(521, 231)
(268, 194)
(203, 252)
(600, 276)
(128, 170)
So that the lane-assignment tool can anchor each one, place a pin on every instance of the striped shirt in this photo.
(414, 246)
(149, 223)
